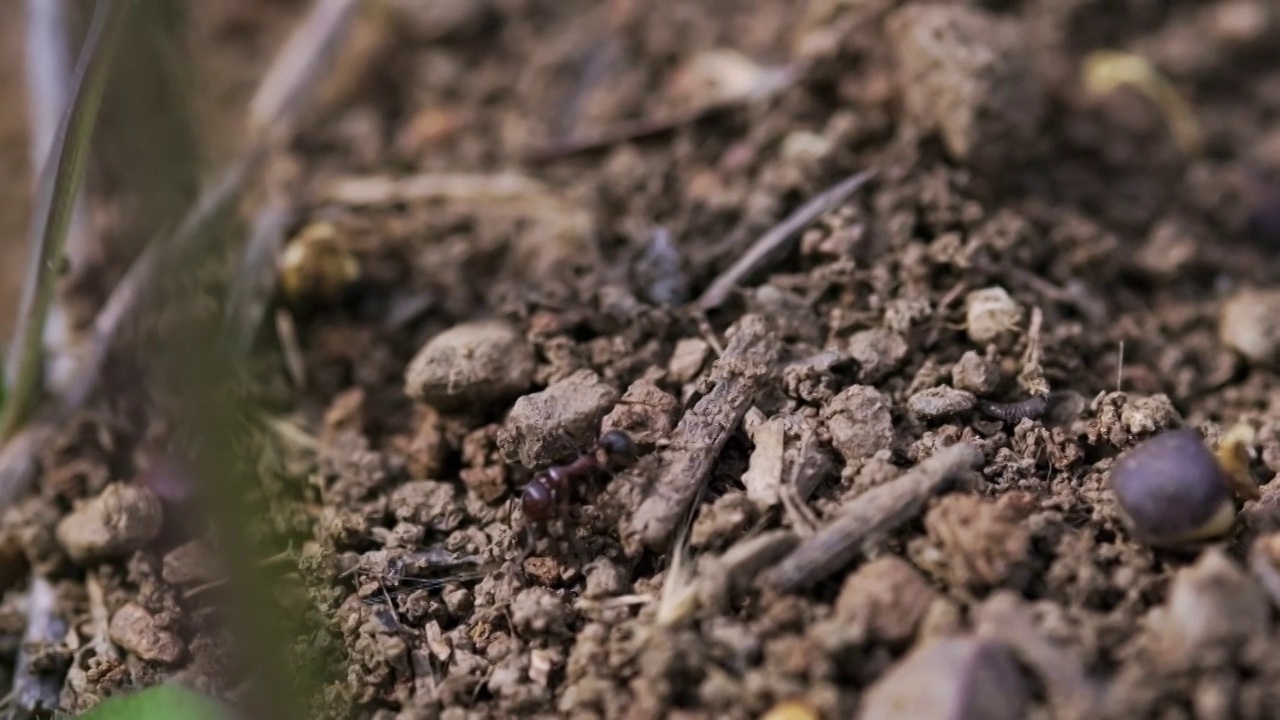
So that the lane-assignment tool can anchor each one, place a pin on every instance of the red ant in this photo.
(547, 496)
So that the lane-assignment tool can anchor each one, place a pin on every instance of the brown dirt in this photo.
(1020, 236)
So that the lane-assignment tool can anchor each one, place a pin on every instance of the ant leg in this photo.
(531, 542)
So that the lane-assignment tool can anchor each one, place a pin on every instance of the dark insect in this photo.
(1029, 409)
(547, 497)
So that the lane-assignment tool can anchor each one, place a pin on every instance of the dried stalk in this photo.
(55, 199)
(869, 516)
(776, 239)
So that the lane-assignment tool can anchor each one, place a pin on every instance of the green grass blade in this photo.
(60, 181)
(162, 702)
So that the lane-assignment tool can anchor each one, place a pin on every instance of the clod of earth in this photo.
(961, 678)
(191, 564)
(976, 374)
(1171, 490)
(878, 352)
(136, 630)
(860, 423)
(471, 364)
(982, 543)
(121, 519)
(970, 76)
(887, 597)
(551, 425)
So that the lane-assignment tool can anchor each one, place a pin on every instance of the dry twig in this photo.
(869, 516)
(775, 240)
(34, 691)
(701, 434)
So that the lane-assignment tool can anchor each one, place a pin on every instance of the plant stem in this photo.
(55, 200)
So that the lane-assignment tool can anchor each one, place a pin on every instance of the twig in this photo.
(255, 282)
(631, 130)
(285, 90)
(59, 184)
(18, 463)
(733, 571)
(777, 237)
(738, 377)
(37, 692)
(869, 516)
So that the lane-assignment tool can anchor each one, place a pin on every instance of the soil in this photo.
(871, 479)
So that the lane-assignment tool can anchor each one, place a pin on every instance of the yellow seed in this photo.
(792, 710)
(1106, 70)
(1233, 454)
(317, 265)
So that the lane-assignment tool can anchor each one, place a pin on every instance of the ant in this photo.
(546, 497)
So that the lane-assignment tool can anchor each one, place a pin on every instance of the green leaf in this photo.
(162, 702)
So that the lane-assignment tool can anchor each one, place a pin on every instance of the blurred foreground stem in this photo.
(60, 180)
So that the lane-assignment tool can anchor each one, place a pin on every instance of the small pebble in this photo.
(957, 678)
(976, 374)
(991, 314)
(469, 364)
(539, 611)
(878, 353)
(134, 629)
(604, 579)
(1250, 325)
(1214, 608)
(687, 359)
(120, 520)
(557, 423)
(940, 402)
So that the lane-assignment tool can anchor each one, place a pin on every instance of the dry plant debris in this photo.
(1039, 280)
(869, 516)
(735, 380)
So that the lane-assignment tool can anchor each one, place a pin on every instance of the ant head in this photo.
(537, 501)
(618, 447)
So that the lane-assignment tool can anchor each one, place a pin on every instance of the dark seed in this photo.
(1172, 490)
